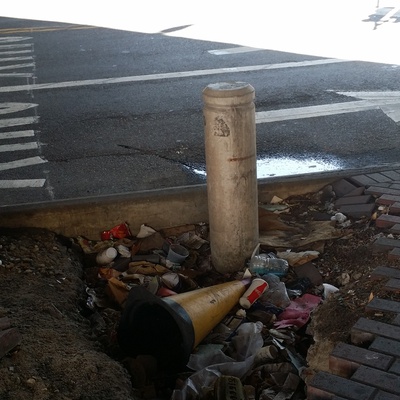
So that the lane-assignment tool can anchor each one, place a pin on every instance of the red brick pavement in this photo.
(369, 367)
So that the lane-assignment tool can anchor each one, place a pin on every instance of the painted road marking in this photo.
(234, 50)
(15, 46)
(23, 58)
(5, 123)
(17, 134)
(17, 50)
(8, 108)
(394, 95)
(168, 75)
(12, 39)
(17, 75)
(13, 31)
(388, 102)
(18, 147)
(7, 53)
(22, 183)
(26, 162)
(6, 67)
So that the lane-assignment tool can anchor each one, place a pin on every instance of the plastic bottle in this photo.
(261, 264)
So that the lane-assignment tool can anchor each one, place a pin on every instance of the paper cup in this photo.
(256, 289)
(266, 354)
(177, 253)
(106, 256)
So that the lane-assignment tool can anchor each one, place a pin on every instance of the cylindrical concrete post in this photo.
(231, 165)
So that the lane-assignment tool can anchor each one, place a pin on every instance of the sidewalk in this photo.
(369, 367)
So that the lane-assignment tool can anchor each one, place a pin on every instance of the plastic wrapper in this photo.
(246, 343)
(117, 232)
(276, 294)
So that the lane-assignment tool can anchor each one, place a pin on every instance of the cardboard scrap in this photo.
(117, 291)
(298, 258)
(301, 236)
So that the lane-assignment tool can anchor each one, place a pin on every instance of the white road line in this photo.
(18, 147)
(15, 66)
(22, 58)
(234, 50)
(9, 108)
(12, 39)
(5, 123)
(320, 111)
(16, 134)
(15, 46)
(22, 183)
(170, 75)
(389, 95)
(17, 75)
(7, 53)
(26, 162)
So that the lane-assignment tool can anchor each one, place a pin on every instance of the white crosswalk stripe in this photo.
(13, 51)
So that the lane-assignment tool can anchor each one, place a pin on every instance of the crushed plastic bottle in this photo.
(261, 264)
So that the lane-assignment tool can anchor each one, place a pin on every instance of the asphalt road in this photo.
(88, 111)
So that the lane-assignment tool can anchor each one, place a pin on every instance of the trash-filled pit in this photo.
(144, 315)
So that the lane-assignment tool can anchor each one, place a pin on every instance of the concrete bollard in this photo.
(231, 164)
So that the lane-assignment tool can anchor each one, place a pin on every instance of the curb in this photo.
(160, 209)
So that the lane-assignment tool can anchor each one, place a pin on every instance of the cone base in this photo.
(148, 325)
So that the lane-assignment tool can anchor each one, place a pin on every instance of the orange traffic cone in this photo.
(170, 328)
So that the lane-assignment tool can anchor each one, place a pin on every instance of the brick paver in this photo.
(375, 368)
(348, 200)
(379, 379)
(358, 210)
(324, 385)
(387, 221)
(342, 187)
(377, 304)
(379, 177)
(345, 359)
(385, 272)
(384, 244)
(393, 285)
(386, 346)
(387, 199)
(377, 190)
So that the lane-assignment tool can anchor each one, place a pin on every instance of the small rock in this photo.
(344, 279)
(357, 276)
(31, 382)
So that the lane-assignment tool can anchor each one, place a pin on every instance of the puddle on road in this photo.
(285, 166)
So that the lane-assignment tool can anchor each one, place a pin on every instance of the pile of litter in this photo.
(156, 306)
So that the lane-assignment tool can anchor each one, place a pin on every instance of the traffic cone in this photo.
(170, 328)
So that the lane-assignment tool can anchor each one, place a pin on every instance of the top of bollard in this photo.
(228, 89)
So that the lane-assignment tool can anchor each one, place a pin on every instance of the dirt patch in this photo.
(70, 352)
(59, 356)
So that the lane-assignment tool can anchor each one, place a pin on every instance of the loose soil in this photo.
(68, 351)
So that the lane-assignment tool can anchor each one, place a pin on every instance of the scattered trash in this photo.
(339, 218)
(106, 256)
(216, 336)
(276, 294)
(145, 231)
(297, 313)
(257, 287)
(177, 253)
(328, 290)
(261, 264)
(298, 258)
(117, 232)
